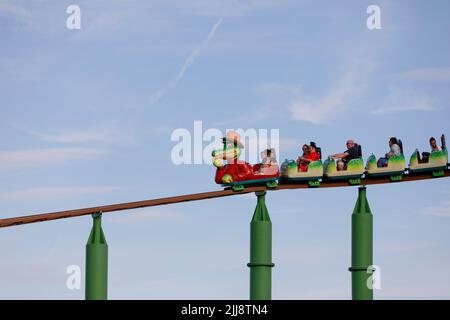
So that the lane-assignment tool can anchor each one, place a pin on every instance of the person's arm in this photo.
(342, 155)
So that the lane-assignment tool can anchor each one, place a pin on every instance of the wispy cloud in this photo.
(17, 159)
(13, 9)
(55, 192)
(106, 134)
(401, 99)
(396, 248)
(195, 53)
(441, 210)
(158, 95)
(425, 74)
(337, 101)
(73, 137)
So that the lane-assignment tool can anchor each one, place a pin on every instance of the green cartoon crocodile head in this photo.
(230, 151)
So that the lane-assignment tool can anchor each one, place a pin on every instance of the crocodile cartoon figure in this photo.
(237, 173)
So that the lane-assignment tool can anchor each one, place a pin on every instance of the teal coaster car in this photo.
(395, 168)
(437, 161)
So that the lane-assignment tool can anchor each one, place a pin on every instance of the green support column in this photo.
(261, 252)
(96, 262)
(362, 248)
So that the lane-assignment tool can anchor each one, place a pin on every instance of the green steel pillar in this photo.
(362, 248)
(96, 262)
(261, 252)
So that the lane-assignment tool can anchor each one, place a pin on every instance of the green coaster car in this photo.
(291, 173)
(395, 168)
(436, 163)
(353, 172)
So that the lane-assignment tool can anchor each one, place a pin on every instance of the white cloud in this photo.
(74, 136)
(13, 9)
(442, 210)
(107, 134)
(400, 100)
(397, 248)
(54, 192)
(426, 74)
(337, 101)
(17, 159)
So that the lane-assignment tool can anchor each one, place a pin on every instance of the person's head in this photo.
(268, 153)
(305, 149)
(433, 142)
(312, 147)
(392, 141)
(350, 144)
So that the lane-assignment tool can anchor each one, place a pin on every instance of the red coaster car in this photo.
(237, 173)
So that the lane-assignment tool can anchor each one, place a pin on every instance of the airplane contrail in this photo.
(158, 95)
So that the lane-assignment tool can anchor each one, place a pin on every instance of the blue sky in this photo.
(86, 118)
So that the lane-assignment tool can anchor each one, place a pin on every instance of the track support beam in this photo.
(96, 262)
(362, 248)
(260, 251)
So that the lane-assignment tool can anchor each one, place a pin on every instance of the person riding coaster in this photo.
(308, 168)
(237, 173)
(435, 161)
(350, 165)
(393, 164)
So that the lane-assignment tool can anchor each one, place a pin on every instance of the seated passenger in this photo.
(434, 146)
(426, 155)
(269, 162)
(351, 153)
(301, 162)
(310, 157)
(394, 151)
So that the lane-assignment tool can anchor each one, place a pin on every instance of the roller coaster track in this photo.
(15, 221)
